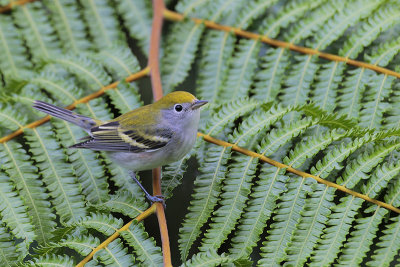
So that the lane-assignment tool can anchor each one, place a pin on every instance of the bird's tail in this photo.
(82, 121)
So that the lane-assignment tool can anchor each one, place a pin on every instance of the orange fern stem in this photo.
(139, 218)
(85, 99)
(174, 16)
(13, 4)
(295, 171)
(153, 63)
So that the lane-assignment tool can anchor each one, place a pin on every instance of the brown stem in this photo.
(171, 15)
(139, 218)
(13, 4)
(288, 168)
(153, 63)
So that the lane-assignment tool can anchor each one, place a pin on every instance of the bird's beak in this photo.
(198, 103)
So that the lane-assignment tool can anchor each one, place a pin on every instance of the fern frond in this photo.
(9, 255)
(39, 35)
(287, 216)
(124, 202)
(85, 69)
(125, 97)
(137, 19)
(243, 64)
(144, 246)
(361, 239)
(115, 254)
(338, 226)
(360, 167)
(375, 101)
(57, 174)
(83, 244)
(172, 175)
(105, 224)
(314, 216)
(103, 23)
(206, 191)
(208, 258)
(331, 161)
(13, 58)
(52, 260)
(391, 239)
(118, 60)
(87, 167)
(17, 163)
(67, 21)
(14, 212)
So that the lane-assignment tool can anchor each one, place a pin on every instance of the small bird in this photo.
(142, 139)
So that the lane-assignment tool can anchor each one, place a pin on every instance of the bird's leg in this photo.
(148, 196)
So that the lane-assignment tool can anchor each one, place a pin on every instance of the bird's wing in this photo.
(112, 136)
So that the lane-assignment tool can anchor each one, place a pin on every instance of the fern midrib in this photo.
(282, 137)
(279, 246)
(317, 21)
(33, 25)
(122, 98)
(112, 255)
(325, 101)
(118, 61)
(8, 52)
(371, 32)
(337, 235)
(371, 159)
(361, 242)
(259, 6)
(277, 23)
(181, 54)
(142, 249)
(193, 5)
(5, 258)
(377, 100)
(392, 242)
(104, 34)
(310, 228)
(386, 52)
(77, 66)
(217, 83)
(232, 205)
(244, 70)
(354, 94)
(274, 70)
(177, 169)
(67, 26)
(11, 119)
(76, 243)
(15, 217)
(300, 83)
(26, 189)
(382, 178)
(123, 204)
(343, 22)
(259, 213)
(188, 244)
(56, 175)
(137, 14)
(56, 85)
(83, 159)
(227, 118)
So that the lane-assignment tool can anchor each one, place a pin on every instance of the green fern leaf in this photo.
(208, 258)
(102, 22)
(39, 35)
(144, 246)
(67, 21)
(115, 254)
(125, 97)
(137, 19)
(105, 224)
(124, 202)
(52, 261)
(9, 255)
(57, 174)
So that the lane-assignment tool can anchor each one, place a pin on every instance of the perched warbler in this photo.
(144, 138)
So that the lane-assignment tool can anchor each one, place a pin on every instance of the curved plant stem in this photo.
(13, 4)
(295, 171)
(153, 63)
(139, 218)
(174, 16)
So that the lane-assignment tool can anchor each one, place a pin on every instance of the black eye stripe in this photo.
(178, 108)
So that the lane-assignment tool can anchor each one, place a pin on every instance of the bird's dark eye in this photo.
(178, 108)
